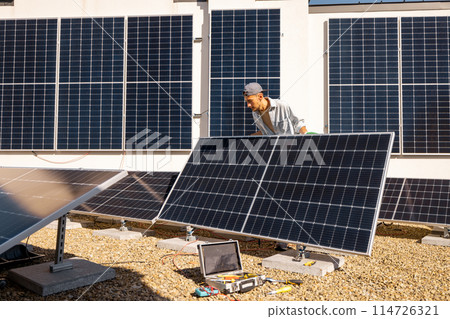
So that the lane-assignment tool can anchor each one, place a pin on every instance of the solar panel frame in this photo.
(138, 197)
(22, 191)
(232, 222)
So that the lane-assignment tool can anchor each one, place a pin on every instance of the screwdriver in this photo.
(283, 289)
(286, 281)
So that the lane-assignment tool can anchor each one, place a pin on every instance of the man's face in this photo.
(254, 102)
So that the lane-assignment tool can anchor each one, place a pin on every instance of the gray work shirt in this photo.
(283, 120)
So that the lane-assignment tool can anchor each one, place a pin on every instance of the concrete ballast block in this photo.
(323, 263)
(40, 280)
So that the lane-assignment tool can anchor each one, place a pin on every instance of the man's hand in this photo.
(303, 130)
(257, 133)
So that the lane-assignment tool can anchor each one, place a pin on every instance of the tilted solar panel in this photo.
(318, 190)
(31, 198)
(422, 201)
(139, 196)
(245, 47)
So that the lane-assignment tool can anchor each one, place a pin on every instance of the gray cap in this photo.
(252, 89)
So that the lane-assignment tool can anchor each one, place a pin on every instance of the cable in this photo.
(67, 162)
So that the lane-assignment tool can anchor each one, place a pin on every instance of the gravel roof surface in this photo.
(400, 268)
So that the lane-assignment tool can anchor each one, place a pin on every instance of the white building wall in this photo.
(303, 74)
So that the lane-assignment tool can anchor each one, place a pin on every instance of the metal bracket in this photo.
(59, 264)
(189, 234)
(302, 253)
(446, 232)
(123, 226)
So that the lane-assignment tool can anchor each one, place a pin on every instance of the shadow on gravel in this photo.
(402, 231)
(127, 286)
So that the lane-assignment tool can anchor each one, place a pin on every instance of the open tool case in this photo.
(221, 259)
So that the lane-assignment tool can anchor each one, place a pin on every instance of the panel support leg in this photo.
(302, 254)
(59, 264)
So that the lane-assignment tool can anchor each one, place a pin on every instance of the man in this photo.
(272, 117)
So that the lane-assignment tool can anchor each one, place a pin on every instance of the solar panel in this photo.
(159, 80)
(363, 76)
(318, 190)
(423, 201)
(139, 196)
(30, 198)
(27, 83)
(91, 84)
(426, 84)
(245, 47)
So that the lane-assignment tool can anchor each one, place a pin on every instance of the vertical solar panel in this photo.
(423, 201)
(245, 47)
(363, 76)
(318, 190)
(426, 84)
(139, 196)
(91, 84)
(159, 80)
(27, 83)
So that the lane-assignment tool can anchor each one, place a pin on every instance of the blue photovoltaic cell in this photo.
(426, 84)
(159, 81)
(91, 83)
(245, 47)
(363, 76)
(318, 190)
(27, 83)
(423, 201)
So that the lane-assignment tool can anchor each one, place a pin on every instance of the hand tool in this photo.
(206, 291)
(286, 281)
(283, 289)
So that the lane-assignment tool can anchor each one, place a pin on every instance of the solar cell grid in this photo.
(363, 76)
(318, 190)
(139, 196)
(159, 80)
(91, 84)
(245, 47)
(426, 84)
(27, 83)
